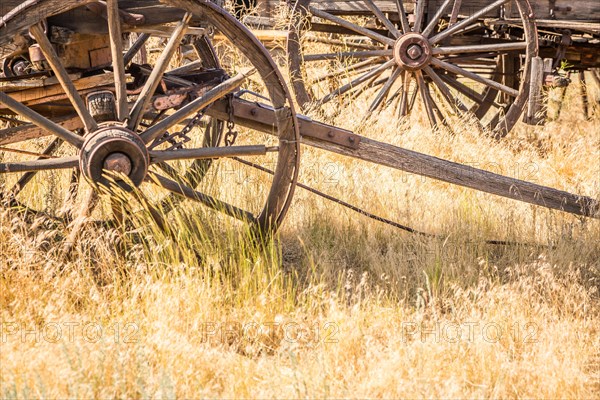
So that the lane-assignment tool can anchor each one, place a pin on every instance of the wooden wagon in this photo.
(89, 119)
(492, 63)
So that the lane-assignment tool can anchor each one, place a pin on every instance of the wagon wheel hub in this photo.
(114, 149)
(412, 51)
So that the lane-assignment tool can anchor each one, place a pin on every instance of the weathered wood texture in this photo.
(432, 167)
(19, 16)
(37, 95)
(16, 16)
(567, 10)
(562, 10)
(154, 11)
(31, 131)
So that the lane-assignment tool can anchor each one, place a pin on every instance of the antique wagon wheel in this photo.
(126, 135)
(389, 53)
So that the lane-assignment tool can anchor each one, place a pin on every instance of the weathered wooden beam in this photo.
(31, 131)
(367, 149)
(536, 83)
(39, 165)
(40, 120)
(264, 35)
(18, 16)
(31, 96)
(204, 153)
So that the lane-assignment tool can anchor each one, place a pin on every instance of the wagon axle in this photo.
(132, 109)
(412, 51)
(115, 149)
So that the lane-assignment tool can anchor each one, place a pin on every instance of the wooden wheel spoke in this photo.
(339, 42)
(452, 101)
(355, 69)
(211, 152)
(419, 14)
(353, 27)
(360, 80)
(381, 16)
(349, 54)
(219, 91)
(85, 210)
(66, 211)
(200, 197)
(454, 13)
(495, 49)
(135, 48)
(467, 74)
(475, 58)
(381, 96)
(156, 75)
(116, 49)
(28, 176)
(426, 97)
(468, 92)
(436, 18)
(39, 165)
(41, 121)
(404, 102)
(464, 23)
(357, 91)
(403, 19)
(155, 213)
(63, 77)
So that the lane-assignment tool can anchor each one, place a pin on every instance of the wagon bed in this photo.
(79, 100)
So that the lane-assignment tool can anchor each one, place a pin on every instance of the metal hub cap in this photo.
(412, 51)
(115, 149)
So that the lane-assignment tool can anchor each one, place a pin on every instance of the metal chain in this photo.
(231, 135)
(182, 134)
(377, 217)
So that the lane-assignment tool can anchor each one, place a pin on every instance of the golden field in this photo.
(337, 305)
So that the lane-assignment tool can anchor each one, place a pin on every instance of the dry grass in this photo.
(338, 305)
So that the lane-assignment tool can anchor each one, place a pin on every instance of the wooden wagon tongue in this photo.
(337, 140)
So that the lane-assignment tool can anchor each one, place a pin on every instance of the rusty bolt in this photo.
(351, 139)
(330, 134)
(414, 51)
(253, 112)
(118, 162)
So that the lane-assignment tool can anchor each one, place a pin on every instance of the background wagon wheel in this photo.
(380, 54)
(136, 137)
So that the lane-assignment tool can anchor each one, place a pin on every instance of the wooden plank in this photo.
(30, 131)
(39, 165)
(264, 35)
(31, 95)
(584, 25)
(40, 120)
(535, 101)
(350, 7)
(24, 84)
(431, 167)
(566, 10)
(18, 18)
(358, 7)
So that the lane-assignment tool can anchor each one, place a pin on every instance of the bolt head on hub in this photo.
(118, 162)
(414, 51)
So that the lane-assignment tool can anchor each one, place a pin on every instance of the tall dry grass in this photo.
(337, 305)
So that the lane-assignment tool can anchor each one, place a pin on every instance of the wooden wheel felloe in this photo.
(455, 58)
(104, 122)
